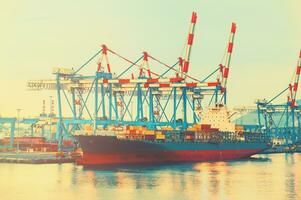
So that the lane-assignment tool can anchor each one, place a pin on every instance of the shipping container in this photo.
(160, 137)
(205, 126)
(149, 132)
(149, 137)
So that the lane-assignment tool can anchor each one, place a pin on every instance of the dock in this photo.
(34, 158)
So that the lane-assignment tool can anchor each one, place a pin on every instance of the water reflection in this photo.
(263, 177)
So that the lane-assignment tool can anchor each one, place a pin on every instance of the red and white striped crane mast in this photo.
(145, 65)
(293, 87)
(104, 55)
(224, 69)
(184, 62)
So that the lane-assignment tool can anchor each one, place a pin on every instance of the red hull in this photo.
(174, 156)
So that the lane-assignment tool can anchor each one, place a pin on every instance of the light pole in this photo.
(50, 115)
(18, 113)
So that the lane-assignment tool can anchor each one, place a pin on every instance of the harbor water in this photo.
(275, 176)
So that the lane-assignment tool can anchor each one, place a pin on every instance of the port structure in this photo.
(282, 120)
(171, 98)
(12, 123)
(32, 122)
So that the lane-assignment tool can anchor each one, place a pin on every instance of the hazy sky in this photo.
(38, 35)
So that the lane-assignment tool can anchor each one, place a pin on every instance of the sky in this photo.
(39, 35)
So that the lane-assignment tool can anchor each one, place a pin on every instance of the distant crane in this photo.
(280, 119)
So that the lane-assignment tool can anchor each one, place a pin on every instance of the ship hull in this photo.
(108, 150)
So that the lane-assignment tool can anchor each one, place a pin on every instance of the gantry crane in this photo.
(104, 98)
(282, 120)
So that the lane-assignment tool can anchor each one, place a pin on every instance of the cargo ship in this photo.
(201, 142)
